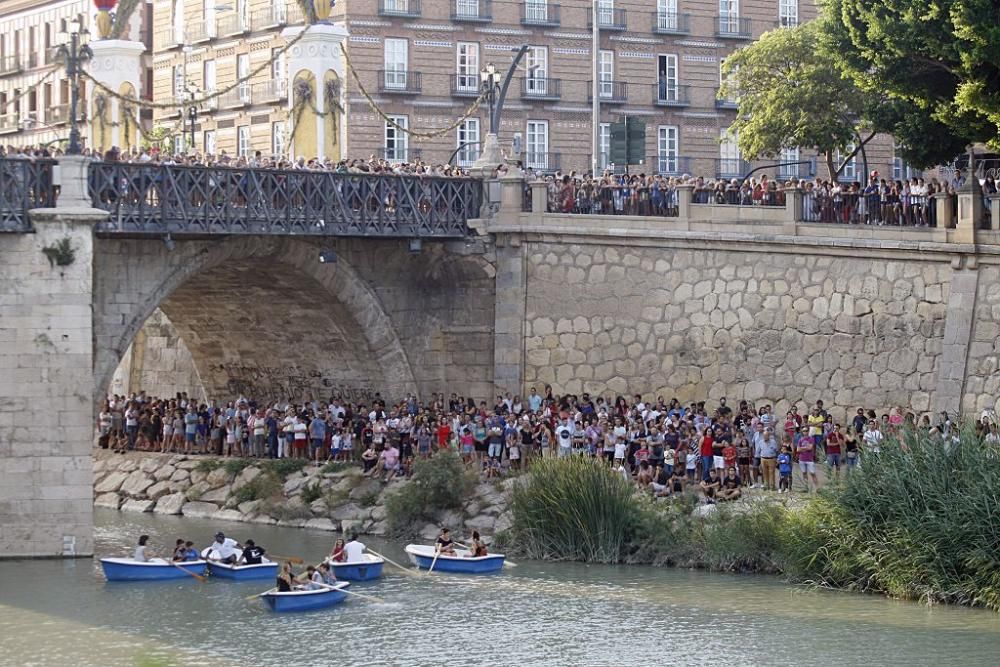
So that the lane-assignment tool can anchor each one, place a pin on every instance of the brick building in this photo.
(420, 61)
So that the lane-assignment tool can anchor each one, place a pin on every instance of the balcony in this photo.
(725, 102)
(733, 27)
(541, 161)
(671, 23)
(234, 24)
(465, 85)
(609, 92)
(667, 95)
(200, 32)
(240, 96)
(670, 165)
(11, 65)
(57, 115)
(51, 55)
(608, 19)
(275, 17)
(540, 14)
(273, 90)
(167, 39)
(475, 11)
(541, 88)
(399, 82)
(10, 123)
(399, 153)
(212, 103)
(404, 9)
(731, 167)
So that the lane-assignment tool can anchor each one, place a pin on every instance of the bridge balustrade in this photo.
(24, 184)
(151, 199)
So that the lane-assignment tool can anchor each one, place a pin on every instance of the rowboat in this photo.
(366, 569)
(264, 570)
(422, 556)
(155, 569)
(306, 600)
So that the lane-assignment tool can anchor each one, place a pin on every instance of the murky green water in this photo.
(63, 613)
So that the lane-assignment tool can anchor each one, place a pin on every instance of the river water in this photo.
(64, 613)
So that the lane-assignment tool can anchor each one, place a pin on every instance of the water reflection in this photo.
(536, 614)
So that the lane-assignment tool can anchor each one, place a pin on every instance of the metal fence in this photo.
(872, 209)
(24, 185)
(196, 201)
(607, 200)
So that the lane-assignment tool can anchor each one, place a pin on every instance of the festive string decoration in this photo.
(27, 91)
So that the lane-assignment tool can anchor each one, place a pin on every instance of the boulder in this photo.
(133, 505)
(217, 478)
(318, 506)
(164, 472)
(294, 484)
(379, 513)
(186, 464)
(261, 519)
(198, 476)
(109, 500)
(366, 488)
(249, 507)
(136, 484)
(196, 490)
(449, 519)
(349, 526)
(429, 531)
(321, 524)
(502, 523)
(159, 489)
(128, 465)
(111, 483)
(177, 460)
(181, 475)
(217, 496)
(378, 528)
(228, 515)
(99, 465)
(150, 465)
(349, 512)
(493, 510)
(247, 475)
(483, 523)
(170, 504)
(488, 494)
(199, 510)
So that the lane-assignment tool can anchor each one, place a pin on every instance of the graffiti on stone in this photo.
(288, 382)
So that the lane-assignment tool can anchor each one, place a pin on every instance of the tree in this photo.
(791, 94)
(941, 58)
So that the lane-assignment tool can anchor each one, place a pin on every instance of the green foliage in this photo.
(441, 482)
(282, 468)
(208, 465)
(262, 487)
(943, 58)
(311, 492)
(235, 466)
(336, 466)
(61, 253)
(369, 499)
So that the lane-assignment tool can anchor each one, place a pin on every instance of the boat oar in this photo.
(257, 595)
(199, 577)
(295, 560)
(505, 561)
(407, 570)
(344, 590)
(437, 552)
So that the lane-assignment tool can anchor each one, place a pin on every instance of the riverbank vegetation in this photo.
(439, 483)
(915, 520)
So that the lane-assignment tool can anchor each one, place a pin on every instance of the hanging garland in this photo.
(101, 116)
(331, 102)
(27, 91)
(302, 98)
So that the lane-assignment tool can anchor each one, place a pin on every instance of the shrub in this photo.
(261, 487)
(235, 466)
(336, 466)
(282, 468)
(208, 465)
(311, 492)
(441, 482)
(369, 499)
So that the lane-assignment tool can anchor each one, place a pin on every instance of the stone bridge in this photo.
(746, 302)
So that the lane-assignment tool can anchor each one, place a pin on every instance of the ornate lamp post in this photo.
(73, 52)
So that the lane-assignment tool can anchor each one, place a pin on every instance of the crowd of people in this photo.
(664, 446)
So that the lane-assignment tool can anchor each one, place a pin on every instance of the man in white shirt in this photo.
(564, 436)
(354, 550)
(223, 549)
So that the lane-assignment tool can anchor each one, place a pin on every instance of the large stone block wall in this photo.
(767, 323)
(982, 384)
(159, 362)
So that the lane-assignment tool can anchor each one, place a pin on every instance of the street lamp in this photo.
(490, 78)
(74, 52)
(192, 112)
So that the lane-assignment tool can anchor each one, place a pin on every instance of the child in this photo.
(729, 455)
(514, 454)
(335, 442)
(692, 459)
(785, 470)
(669, 457)
(620, 450)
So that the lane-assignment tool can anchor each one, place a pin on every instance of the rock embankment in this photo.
(338, 498)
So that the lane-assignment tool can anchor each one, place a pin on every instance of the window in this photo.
(605, 12)
(666, 149)
(208, 76)
(179, 144)
(666, 15)
(850, 170)
(468, 142)
(900, 169)
(606, 73)
(243, 11)
(278, 139)
(667, 89)
(467, 66)
(395, 62)
(243, 140)
(789, 155)
(788, 13)
(467, 8)
(538, 66)
(604, 144)
(278, 71)
(537, 145)
(209, 11)
(178, 21)
(396, 141)
(732, 98)
(536, 11)
(179, 83)
(729, 154)
(729, 16)
(243, 74)
(208, 142)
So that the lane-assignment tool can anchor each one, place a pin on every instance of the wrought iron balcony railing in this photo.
(541, 161)
(476, 11)
(671, 23)
(733, 27)
(465, 85)
(541, 88)
(24, 185)
(669, 165)
(399, 81)
(407, 9)
(11, 65)
(731, 167)
(608, 18)
(609, 92)
(272, 90)
(540, 13)
(240, 96)
(671, 95)
(235, 24)
(154, 200)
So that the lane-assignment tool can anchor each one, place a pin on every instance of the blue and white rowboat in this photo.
(319, 598)
(422, 556)
(264, 570)
(155, 569)
(366, 569)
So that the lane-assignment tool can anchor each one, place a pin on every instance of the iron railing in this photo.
(733, 27)
(608, 18)
(465, 85)
(145, 199)
(399, 82)
(11, 64)
(667, 94)
(671, 23)
(731, 167)
(476, 11)
(609, 92)
(24, 185)
(540, 13)
(540, 88)
(407, 9)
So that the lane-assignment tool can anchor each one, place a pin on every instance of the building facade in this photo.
(420, 62)
(34, 91)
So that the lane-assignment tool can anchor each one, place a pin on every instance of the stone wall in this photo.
(763, 322)
(982, 385)
(158, 361)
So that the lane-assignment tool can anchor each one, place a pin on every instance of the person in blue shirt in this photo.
(784, 471)
(190, 553)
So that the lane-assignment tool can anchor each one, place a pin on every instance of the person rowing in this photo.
(223, 549)
(180, 551)
(354, 551)
(444, 544)
(285, 579)
(326, 574)
(337, 554)
(252, 554)
(142, 553)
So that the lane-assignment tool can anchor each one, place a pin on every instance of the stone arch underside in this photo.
(259, 316)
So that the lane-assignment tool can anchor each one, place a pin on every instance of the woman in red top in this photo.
(337, 554)
(706, 453)
(834, 447)
(443, 434)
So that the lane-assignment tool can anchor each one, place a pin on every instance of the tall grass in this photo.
(575, 509)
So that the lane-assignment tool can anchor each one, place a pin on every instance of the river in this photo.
(63, 613)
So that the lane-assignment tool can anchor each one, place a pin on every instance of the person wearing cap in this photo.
(252, 554)
(223, 549)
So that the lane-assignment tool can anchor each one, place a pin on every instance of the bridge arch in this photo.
(259, 315)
